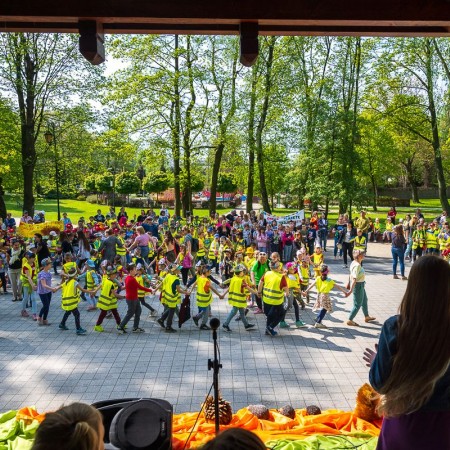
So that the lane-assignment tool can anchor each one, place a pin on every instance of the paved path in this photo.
(47, 367)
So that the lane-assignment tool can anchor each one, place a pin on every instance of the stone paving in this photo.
(46, 367)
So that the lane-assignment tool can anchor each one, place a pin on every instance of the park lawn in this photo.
(76, 209)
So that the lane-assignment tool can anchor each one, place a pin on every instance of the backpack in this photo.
(194, 245)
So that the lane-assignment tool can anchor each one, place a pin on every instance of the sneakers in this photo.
(249, 326)
(369, 319)
(395, 277)
(226, 328)
(81, 331)
(24, 313)
(40, 321)
(351, 323)
(35, 317)
(404, 278)
(170, 330)
(196, 319)
(91, 308)
(62, 327)
(284, 324)
(45, 322)
(345, 266)
(138, 330)
(121, 330)
(300, 324)
(99, 328)
(271, 331)
(204, 327)
(258, 311)
(319, 325)
(153, 313)
(161, 323)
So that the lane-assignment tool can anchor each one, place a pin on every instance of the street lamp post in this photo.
(50, 138)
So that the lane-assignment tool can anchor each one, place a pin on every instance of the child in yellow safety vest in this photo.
(108, 298)
(144, 280)
(360, 242)
(70, 299)
(432, 239)
(68, 265)
(204, 297)
(303, 272)
(317, 260)
(213, 253)
(294, 298)
(92, 281)
(237, 298)
(323, 303)
(28, 277)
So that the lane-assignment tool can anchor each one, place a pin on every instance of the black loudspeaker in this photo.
(136, 423)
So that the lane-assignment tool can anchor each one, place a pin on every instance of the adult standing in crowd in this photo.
(347, 239)
(398, 251)
(108, 246)
(362, 223)
(357, 286)
(410, 368)
(141, 240)
(257, 271)
(323, 231)
(14, 258)
(41, 248)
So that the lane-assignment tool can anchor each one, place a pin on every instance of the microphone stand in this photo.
(216, 366)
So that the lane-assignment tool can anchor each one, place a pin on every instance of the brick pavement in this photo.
(47, 367)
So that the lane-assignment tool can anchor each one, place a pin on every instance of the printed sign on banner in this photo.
(296, 217)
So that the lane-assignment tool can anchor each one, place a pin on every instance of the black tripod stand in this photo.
(216, 366)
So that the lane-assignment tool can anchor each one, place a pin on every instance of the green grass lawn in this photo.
(76, 209)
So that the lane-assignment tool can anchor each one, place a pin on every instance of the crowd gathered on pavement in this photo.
(257, 262)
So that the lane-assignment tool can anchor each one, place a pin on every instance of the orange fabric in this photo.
(278, 427)
(28, 414)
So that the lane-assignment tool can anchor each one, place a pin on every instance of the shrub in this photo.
(82, 198)
(92, 199)
(138, 203)
(393, 201)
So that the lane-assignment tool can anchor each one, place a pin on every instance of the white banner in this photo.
(296, 217)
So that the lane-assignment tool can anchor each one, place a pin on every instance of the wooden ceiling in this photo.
(274, 17)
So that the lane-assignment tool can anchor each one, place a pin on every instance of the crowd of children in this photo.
(107, 259)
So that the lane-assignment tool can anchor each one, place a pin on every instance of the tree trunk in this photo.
(2, 201)
(176, 132)
(251, 140)
(434, 125)
(28, 163)
(215, 177)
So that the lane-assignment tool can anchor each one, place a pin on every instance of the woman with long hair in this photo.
(84, 248)
(398, 251)
(410, 369)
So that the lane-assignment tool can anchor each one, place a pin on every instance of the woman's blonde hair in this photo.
(423, 353)
(72, 427)
(140, 230)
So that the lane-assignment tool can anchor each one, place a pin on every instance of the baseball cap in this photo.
(72, 273)
(90, 263)
(29, 255)
(46, 261)
(239, 268)
(53, 233)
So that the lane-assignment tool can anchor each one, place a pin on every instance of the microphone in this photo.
(214, 323)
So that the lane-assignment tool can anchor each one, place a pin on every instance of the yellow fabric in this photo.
(272, 293)
(235, 296)
(121, 251)
(324, 286)
(90, 283)
(203, 298)
(304, 271)
(107, 301)
(69, 297)
(293, 281)
(360, 243)
(31, 271)
(170, 299)
(201, 248)
(213, 250)
(69, 265)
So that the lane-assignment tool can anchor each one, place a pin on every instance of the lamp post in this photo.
(50, 138)
(112, 170)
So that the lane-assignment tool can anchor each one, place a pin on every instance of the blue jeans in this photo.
(409, 247)
(45, 299)
(29, 294)
(398, 255)
(336, 249)
(233, 312)
(323, 234)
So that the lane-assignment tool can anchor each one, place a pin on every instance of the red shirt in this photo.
(131, 288)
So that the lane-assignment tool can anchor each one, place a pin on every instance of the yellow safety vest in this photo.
(235, 295)
(293, 281)
(106, 300)
(419, 238)
(69, 297)
(360, 243)
(53, 245)
(204, 298)
(140, 279)
(90, 282)
(121, 251)
(31, 270)
(432, 241)
(212, 250)
(305, 275)
(272, 293)
(69, 265)
(170, 299)
(324, 286)
(201, 248)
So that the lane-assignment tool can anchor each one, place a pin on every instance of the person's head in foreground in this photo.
(423, 331)
(74, 427)
(235, 439)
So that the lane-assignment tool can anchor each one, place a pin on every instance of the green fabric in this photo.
(320, 442)
(15, 434)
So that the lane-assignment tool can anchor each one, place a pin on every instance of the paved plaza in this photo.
(46, 367)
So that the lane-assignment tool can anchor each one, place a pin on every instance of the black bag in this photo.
(194, 245)
(185, 311)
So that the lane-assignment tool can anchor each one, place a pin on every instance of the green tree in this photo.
(156, 182)
(127, 183)
(104, 182)
(226, 183)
